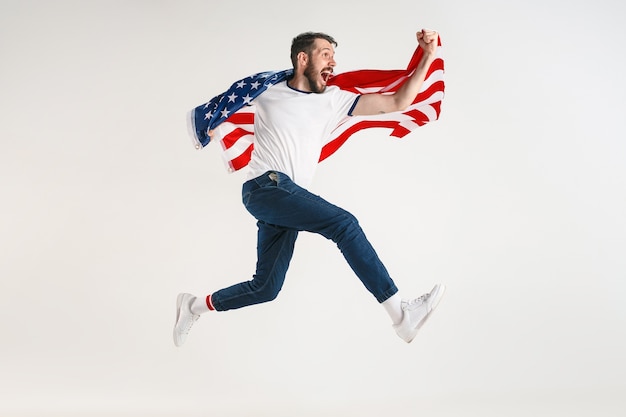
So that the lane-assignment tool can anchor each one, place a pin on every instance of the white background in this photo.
(515, 198)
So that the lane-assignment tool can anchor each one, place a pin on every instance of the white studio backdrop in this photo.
(515, 199)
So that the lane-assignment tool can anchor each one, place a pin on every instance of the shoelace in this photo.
(419, 300)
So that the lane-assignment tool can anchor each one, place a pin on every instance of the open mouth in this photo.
(326, 74)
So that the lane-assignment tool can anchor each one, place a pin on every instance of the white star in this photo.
(241, 84)
(225, 113)
(208, 115)
(247, 99)
(255, 85)
(232, 97)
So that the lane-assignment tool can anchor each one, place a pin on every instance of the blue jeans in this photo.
(283, 209)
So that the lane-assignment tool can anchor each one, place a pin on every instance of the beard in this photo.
(311, 75)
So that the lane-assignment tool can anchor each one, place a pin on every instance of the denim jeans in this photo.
(283, 209)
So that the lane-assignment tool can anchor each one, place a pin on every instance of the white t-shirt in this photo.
(291, 126)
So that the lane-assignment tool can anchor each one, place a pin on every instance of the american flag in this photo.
(231, 116)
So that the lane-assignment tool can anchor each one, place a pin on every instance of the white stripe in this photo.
(432, 79)
(239, 147)
(367, 90)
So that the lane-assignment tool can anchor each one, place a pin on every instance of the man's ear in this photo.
(303, 58)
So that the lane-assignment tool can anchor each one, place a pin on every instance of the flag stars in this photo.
(255, 85)
(247, 99)
(225, 113)
(241, 84)
(232, 97)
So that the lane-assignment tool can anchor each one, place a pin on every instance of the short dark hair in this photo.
(304, 43)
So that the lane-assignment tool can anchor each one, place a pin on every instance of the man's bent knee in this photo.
(266, 292)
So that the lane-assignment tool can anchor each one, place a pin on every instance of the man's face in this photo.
(320, 64)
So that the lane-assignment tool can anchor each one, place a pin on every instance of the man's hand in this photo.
(428, 40)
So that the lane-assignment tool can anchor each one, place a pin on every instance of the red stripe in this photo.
(241, 118)
(436, 87)
(396, 130)
(418, 117)
(232, 138)
(242, 160)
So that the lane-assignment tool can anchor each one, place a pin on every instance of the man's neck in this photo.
(300, 83)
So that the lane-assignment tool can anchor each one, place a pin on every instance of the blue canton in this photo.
(207, 116)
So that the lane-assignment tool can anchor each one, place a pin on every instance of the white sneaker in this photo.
(416, 312)
(184, 318)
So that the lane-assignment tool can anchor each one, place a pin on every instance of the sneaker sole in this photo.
(179, 302)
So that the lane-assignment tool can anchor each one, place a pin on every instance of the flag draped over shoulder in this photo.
(230, 115)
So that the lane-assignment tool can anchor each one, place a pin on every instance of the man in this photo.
(291, 121)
